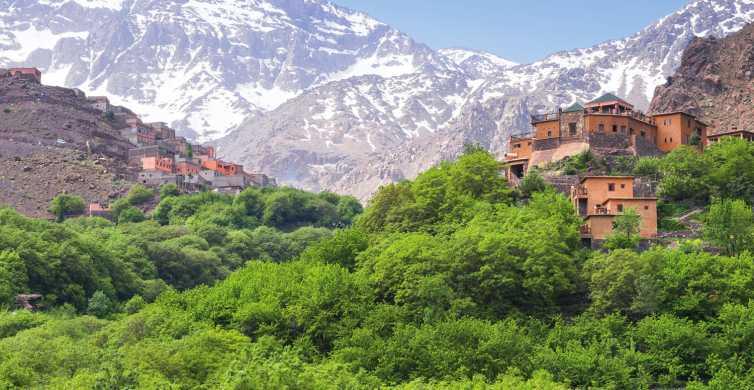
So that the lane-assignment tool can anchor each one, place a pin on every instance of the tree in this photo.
(100, 305)
(65, 205)
(729, 225)
(130, 215)
(626, 228)
(139, 194)
(169, 189)
(189, 151)
(531, 183)
(684, 175)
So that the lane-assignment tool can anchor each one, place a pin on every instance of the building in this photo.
(101, 103)
(29, 73)
(734, 133)
(221, 167)
(607, 122)
(162, 130)
(139, 135)
(159, 178)
(161, 164)
(98, 210)
(187, 167)
(679, 128)
(599, 199)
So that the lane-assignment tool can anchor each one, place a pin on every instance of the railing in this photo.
(579, 191)
(601, 210)
(638, 115)
(586, 230)
(552, 116)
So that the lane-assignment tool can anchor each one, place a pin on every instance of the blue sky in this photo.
(521, 31)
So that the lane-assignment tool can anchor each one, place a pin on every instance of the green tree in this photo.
(139, 194)
(169, 189)
(531, 183)
(730, 226)
(65, 205)
(626, 228)
(685, 173)
(130, 214)
(100, 305)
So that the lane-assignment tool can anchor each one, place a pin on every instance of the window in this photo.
(643, 134)
(516, 146)
(623, 129)
(646, 207)
(601, 128)
(620, 208)
(615, 128)
(572, 128)
(671, 140)
(611, 186)
(549, 133)
(622, 186)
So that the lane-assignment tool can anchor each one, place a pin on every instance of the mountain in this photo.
(353, 135)
(715, 82)
(202, 65)
(328, 98)
(477, 64)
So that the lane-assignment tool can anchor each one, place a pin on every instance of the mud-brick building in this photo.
(32, 74)
(606, 123)
(733, 133)
(599, 199)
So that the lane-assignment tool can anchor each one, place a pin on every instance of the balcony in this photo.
(579, 191)
(586, 230)
(552, 116)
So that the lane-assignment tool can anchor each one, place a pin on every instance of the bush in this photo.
(139, 194)
(64, 205)
(130, 214)
(169, 189)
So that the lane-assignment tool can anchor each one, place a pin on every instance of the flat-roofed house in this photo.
(599, 199)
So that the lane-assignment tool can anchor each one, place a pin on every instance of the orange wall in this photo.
(541, 129)
(522, 148)
(646, 208)
(155, 164)
(674, 130)
(623, 125)
(598, 190)
(601, 226)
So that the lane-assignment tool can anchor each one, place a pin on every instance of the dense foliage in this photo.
(446, 281)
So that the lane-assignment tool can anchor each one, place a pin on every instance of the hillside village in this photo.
(147, 153)
(608, 127)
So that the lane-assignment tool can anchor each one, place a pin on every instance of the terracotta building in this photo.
(30, 73)
(161, 164)
(607, 121)
(678, 128)
(734, 133)
(599, 199)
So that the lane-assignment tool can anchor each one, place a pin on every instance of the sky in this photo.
(521, 31)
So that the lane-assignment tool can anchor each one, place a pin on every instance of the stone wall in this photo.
(571, 117)
(546, 144)
(609, 141)
(643, 147)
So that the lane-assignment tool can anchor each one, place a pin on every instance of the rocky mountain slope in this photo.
(715, 82)
(51, 141)
(353, 135)
(202, 65)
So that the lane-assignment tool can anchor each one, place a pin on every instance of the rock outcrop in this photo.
(715, 82)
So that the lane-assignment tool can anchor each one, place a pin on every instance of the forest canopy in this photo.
(451, 280)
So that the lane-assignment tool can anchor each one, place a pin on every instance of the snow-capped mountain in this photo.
(202, 65)
(328, 98)
(353, 135)
(477, 64)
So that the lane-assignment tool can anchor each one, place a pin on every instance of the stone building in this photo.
(101, 103)
(32, 74)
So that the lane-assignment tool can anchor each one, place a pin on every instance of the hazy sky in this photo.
(521, 31)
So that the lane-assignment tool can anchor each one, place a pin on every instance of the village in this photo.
(157, 156)
(608, 126)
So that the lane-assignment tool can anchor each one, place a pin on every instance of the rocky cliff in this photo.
(715, 81)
